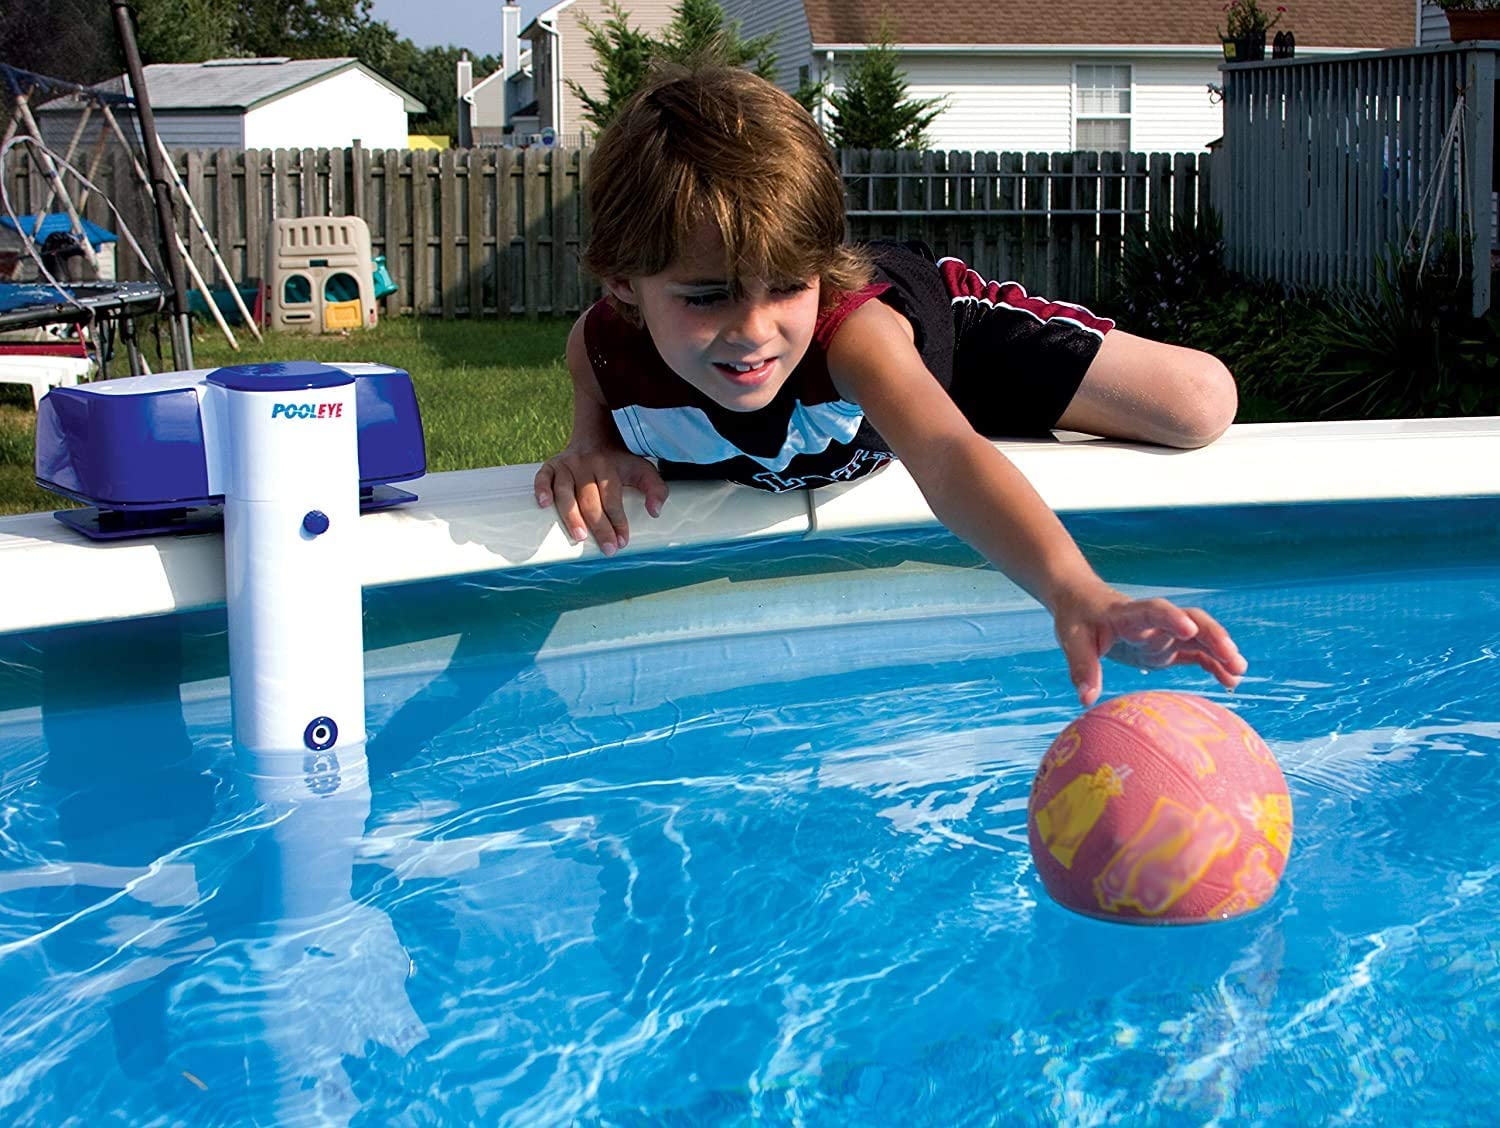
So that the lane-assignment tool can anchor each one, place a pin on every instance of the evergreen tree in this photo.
(622, 57)
(624, 54)
(810, 94)
(698, 31)
(872, 111)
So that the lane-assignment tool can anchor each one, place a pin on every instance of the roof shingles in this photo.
(1321, 23)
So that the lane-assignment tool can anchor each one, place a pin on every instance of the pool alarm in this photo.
(284, 457)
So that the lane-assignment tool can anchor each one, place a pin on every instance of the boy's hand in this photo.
(1144, 633)
(587, 487)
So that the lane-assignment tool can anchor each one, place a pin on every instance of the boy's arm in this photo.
(980, 495)
(585, 480)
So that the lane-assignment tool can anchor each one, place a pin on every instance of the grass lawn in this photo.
(491, 392)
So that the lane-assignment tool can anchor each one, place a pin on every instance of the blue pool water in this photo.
(628, 855)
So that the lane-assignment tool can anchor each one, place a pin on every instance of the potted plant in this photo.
(1472, 19)
(1246, 24)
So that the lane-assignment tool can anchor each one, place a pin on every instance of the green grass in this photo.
(492, 393)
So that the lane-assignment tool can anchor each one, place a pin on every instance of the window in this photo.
(1101, 107)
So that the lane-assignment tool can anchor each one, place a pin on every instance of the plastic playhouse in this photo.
(322, 275)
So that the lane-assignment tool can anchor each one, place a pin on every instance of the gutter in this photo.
(1189, 50)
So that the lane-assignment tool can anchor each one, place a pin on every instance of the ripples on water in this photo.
(757, 876)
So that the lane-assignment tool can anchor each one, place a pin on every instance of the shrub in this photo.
(1411, 349)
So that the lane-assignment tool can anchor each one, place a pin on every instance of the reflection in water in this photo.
(206, 908)
(314, 977)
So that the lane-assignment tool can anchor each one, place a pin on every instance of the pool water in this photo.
(628, 855)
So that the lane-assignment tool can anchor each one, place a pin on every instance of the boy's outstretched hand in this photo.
(587, 487)
(1144, 633)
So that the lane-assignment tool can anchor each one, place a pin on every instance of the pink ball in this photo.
(1159, 808)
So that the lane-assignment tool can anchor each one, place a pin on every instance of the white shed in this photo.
(267, 103)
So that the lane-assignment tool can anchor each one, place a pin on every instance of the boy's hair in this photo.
(715, 143)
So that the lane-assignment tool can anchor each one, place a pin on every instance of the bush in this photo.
(1410, 350)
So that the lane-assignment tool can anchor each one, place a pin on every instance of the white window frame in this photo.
(1076, 115)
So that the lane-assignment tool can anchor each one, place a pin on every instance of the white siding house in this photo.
(273, 103)
(1070, 74)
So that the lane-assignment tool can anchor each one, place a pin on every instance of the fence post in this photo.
(505, 229)
(421, 231)
(1480, 124)
(450, 257)
(398, 227)
(474, 229)
(225, 217)
(534, 209)
(338, 179)
(358, 163)
(557, 184)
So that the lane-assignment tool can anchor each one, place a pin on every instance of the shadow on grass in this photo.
(417, 344)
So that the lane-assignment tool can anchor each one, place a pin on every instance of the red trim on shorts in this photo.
(965, 284)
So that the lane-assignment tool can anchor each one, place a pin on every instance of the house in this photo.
(500, 109)
(1073, 74)
(267, 103)
(529, 98)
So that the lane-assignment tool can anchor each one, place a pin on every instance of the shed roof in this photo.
(1322, 23)
(243, 84)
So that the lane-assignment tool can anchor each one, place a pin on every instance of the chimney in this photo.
(510, 39)
(465, 108)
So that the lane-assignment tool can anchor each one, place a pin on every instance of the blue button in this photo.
(321, 733)
(315, 522)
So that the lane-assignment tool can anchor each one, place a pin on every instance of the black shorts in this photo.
(1013, 361)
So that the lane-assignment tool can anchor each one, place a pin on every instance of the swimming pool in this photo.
(737, 832)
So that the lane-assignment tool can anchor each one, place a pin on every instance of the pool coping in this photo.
(475, 521)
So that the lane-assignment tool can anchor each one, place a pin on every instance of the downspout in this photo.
(825, 76)
(557, 81)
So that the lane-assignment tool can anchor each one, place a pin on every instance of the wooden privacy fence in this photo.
(1333, 164)
(497, 232)
(465, 233)
(1056, 222)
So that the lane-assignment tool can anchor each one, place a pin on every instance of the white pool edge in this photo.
(476, 521)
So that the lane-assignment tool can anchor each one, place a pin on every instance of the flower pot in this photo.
(1245, 48)
(1473, 24)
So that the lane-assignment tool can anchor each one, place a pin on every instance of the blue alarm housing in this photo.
(146, 452)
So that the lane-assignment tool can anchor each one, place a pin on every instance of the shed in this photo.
(263, 103)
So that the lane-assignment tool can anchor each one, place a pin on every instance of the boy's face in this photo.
(737, 351)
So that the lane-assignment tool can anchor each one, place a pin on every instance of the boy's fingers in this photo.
(1083, 665)
(591, 505)
(645, 478)
(566, 502)
(1154, 642)
(542, 484)
(1161, 614)
(1224, 675)
(613, 501)
(1215, 640)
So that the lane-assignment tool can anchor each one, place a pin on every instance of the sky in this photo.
(474, 24)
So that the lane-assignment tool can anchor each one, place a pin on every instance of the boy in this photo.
(742, 338)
